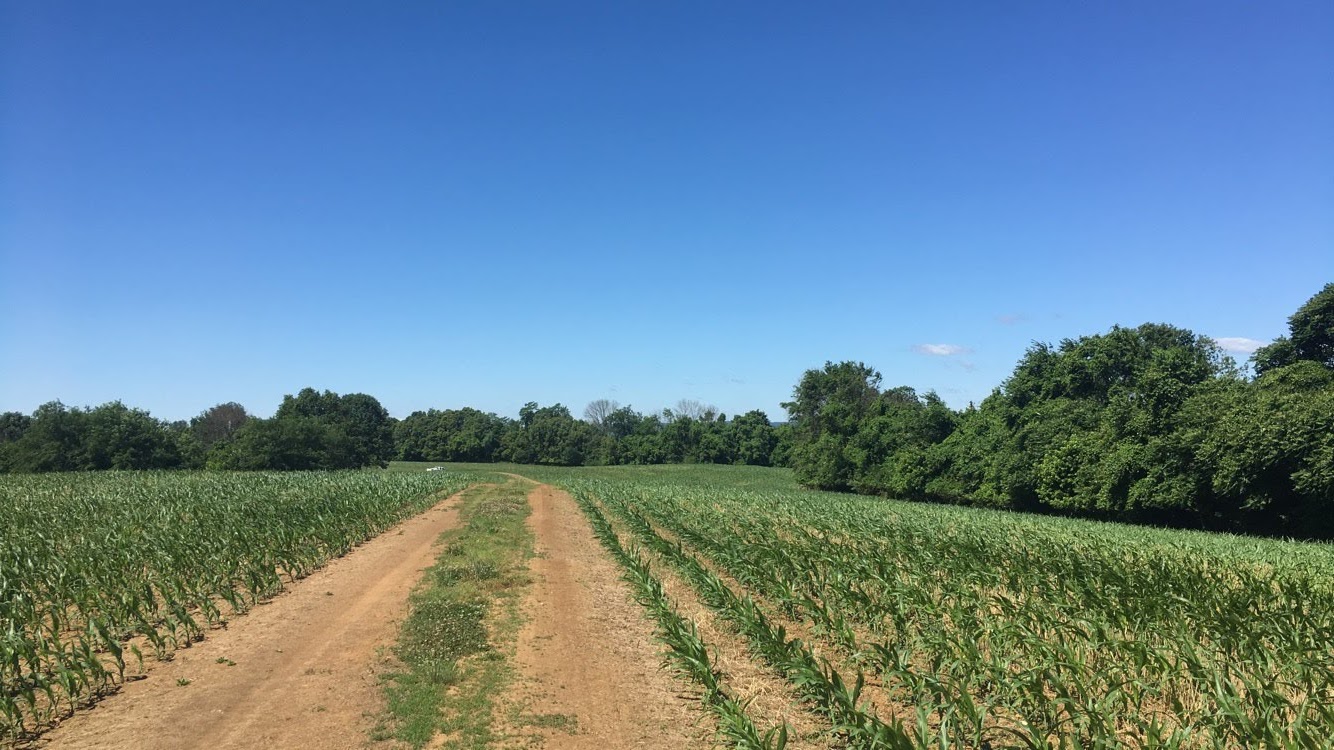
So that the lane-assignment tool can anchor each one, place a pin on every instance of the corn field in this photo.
(937, 626)
(96, 569)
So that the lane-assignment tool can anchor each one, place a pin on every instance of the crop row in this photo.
(1005, 630)
(686, 649)
(95, 566)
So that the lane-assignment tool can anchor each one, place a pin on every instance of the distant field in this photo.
(975, 628)
(897, 625)
(96, 568)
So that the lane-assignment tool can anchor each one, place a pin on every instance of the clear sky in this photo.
(486, 203)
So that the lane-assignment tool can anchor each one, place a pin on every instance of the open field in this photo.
(934, 626)
(791, 618)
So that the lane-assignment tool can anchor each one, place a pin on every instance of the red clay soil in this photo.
(305, 673)
(588, 670)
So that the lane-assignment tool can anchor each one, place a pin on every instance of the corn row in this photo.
(687, 650)
(94, 566)
(1014, 631)
(817, 681)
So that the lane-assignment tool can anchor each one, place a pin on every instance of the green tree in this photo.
(549, 435)
(53, 441)
(826, 410)
(465, 434)
(1310, 336)
(1271, 451)
(887, 451)
(118, 437)
(218, 423)
(752, 439)
(293, 443)
(12, 426)
(358, 417)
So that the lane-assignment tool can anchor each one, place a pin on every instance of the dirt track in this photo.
(589, 671)
(305, 664)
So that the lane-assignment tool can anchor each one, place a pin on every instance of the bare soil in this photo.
(588, 669)
(299, 672)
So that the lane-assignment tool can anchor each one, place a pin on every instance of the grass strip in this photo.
(463, 620)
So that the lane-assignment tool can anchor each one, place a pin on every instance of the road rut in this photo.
(588, 668)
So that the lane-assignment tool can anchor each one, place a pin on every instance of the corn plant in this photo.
(995, 630)
(96, 568)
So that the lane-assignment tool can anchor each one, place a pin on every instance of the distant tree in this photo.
(12, 426)
(889, 452)
(118, 437)
(752, 439)
(598, 412)
(293, 443)
(549, 435)
(218, 423)
(689, 408)
(368, 425)
(359, 418)
(1310, 336)
(450, 435)
(826, 411)
(1087, 427)
(624, 421)
(110, 436)
(1268, 450)
(53, 441)
(636, 438)
(782, 452)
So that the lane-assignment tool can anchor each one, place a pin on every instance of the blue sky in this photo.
(446, 204)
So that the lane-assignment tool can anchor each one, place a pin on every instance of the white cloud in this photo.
(1239, 344)
(1011, 319)
(941, 350)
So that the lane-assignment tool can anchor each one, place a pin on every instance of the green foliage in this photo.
(751, 439)
(1149, 424)
(288, 444)
(827, 410)
(1271, 451)
(110, 436)
(13, 425)
(1310, 336)
(218, 424)
(360, 418)
(550, 435)
(463, 435)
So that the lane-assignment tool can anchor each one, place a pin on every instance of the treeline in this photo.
(1153, 424)
(314, 430)
(608, 434)
(310, 430)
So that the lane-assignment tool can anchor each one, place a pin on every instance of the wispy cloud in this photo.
(1010, 319)
(1239, 344)
(941, 350)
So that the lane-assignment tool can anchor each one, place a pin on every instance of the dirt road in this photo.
(588, 668)
(301, 671)
(304, 673)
